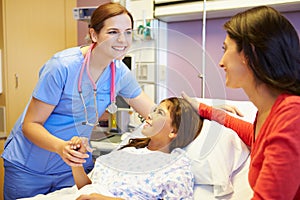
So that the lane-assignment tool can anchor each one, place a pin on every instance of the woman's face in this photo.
(234, 64)
(115, 37)
(158, 124)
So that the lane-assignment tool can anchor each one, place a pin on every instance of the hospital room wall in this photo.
(82, 27)
(185, 55)
(215, 76)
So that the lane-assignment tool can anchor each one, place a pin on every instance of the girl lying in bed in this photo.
(153, 167)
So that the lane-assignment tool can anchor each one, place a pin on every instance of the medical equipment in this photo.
(112, 108)
(83, 13)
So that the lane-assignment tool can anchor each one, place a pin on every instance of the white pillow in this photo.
(218, 152)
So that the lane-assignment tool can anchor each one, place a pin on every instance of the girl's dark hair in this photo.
(271, 46)
(105, 11)
(186, 123)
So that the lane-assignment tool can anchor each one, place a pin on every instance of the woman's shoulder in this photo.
(68, 56)
(63, 61)
(288, 101)
(290, 98)
(73, 51)
(286, 110)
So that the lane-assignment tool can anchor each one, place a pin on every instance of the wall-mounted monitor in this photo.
(83, 13)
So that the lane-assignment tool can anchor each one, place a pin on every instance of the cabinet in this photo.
(31, 32)
(1, 168)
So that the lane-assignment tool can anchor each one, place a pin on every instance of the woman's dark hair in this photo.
(186, 123)
(105, 11)
(271, 46)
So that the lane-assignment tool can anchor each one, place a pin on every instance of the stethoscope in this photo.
(112, 108)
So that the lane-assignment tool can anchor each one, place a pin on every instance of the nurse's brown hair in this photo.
(106, 11)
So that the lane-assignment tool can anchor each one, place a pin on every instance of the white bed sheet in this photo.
(71, 193)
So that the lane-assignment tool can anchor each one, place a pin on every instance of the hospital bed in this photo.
(220, 160)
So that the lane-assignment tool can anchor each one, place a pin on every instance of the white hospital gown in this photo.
(143, 174)
(135, 174)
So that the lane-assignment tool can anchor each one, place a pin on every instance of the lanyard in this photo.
(112, 108)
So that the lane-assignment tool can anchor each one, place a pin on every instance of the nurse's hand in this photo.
(71, 156)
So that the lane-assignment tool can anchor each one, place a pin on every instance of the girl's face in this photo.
(234, 64)
(158, 124)
(115, 37)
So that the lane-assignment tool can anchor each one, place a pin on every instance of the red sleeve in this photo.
(244, 129)
(279, 155)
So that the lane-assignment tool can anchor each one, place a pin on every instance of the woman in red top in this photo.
(262, 56)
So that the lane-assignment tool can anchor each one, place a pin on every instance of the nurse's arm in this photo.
(36, 115)
(141, 104)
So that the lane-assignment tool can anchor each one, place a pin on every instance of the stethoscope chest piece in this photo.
(112, 108)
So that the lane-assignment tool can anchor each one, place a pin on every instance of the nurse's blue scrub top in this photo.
(58, 86)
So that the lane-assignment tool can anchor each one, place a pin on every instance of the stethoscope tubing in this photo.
(85, 65)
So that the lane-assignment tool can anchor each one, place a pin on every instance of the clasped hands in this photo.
(75, 151)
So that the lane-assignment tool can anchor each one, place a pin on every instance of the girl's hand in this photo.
(80, 144)
(76, 143)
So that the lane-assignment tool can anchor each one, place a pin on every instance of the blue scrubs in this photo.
(25, 163)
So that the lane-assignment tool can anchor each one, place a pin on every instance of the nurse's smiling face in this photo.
(115, 38)
(235, 65)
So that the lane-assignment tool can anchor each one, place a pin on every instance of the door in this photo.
(33, 31)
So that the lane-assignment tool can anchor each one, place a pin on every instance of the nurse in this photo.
(75, 87)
